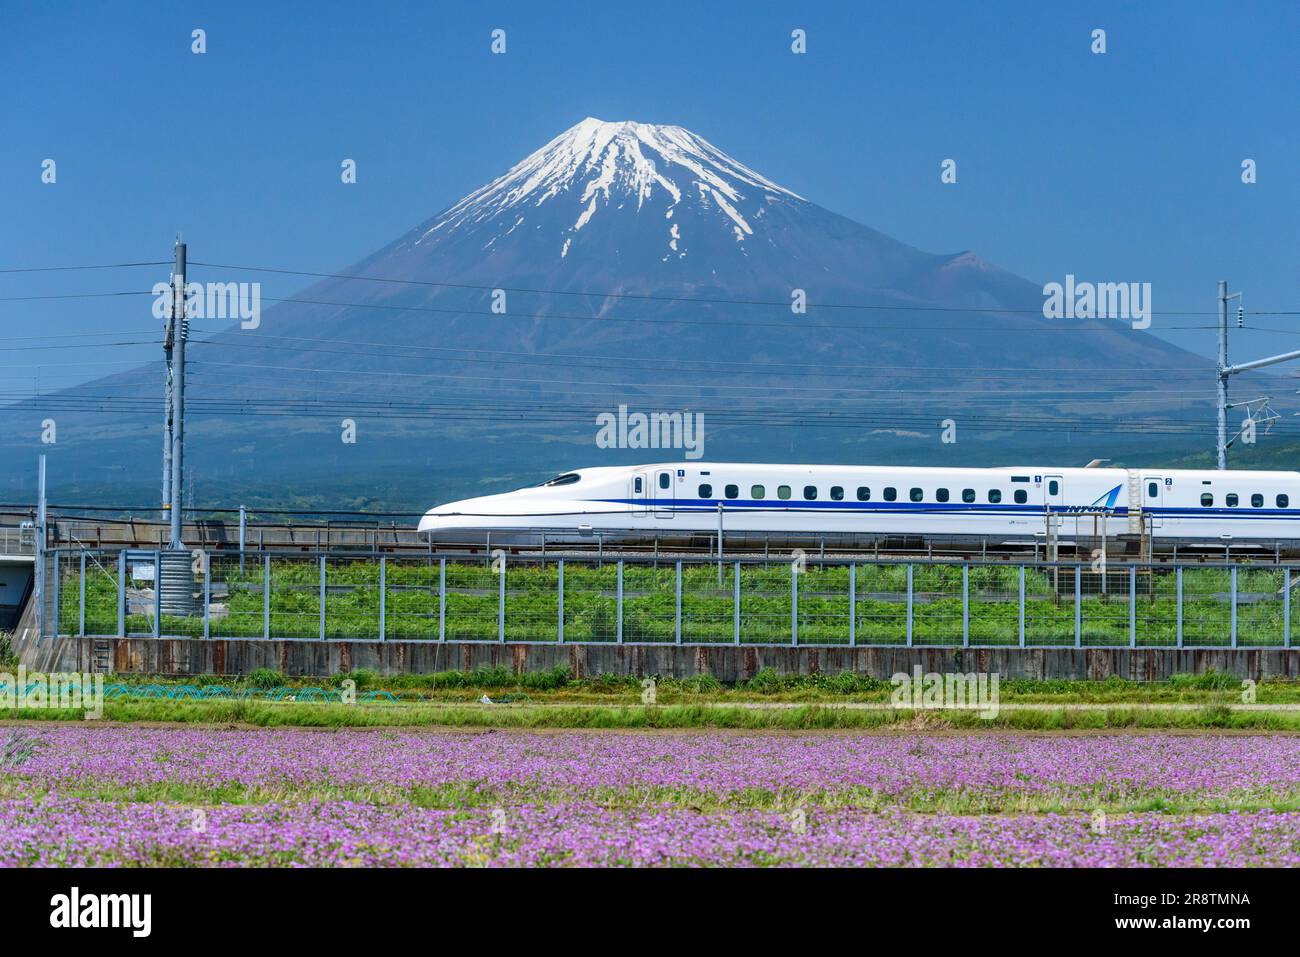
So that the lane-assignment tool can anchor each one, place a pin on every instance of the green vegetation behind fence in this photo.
(415, 608)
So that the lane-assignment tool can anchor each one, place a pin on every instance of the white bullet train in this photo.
(863, 503)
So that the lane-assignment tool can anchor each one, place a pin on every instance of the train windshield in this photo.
(568, 478)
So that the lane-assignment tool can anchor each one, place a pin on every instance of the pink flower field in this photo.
(105, 795)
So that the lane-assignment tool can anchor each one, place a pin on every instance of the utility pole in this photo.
(169, 336)
(1221, 446)
(181, 330)
(1225, 371)
(41, 520)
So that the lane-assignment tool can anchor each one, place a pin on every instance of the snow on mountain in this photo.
(660, 171)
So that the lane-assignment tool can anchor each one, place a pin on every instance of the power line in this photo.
(605, 294)
(1009, 422)
(251, 510)
(22, 269)
(639, 296)
(73, 295)
(80, 345)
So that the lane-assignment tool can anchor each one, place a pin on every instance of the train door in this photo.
(663, 493)
(1053, 492)
(640, 493)
(1054, 505)
(1153, 500)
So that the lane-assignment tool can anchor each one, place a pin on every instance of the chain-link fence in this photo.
(644, 599)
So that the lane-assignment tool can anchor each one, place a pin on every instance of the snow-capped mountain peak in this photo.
(595, 165)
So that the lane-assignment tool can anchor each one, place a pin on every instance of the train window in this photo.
(1153, 489)
(1230, 500)
(731, 491)
(757, 491)
(663, 480)
(567, 479)
(864, 494)
(837, 493)
(941, 494)
(968, 495)
(1283, 501)
(810, 492)
(1021, 496)
(1207, 499)
(706, 491)
(916, 495)
(783, 491)
(1053, 487)
(995, 495)
(1257, 501)
(891, 493)
(636, 485)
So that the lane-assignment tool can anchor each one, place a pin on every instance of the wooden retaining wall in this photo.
(193, 657)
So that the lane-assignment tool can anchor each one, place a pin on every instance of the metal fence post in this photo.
(322, 597)
(909, 606)
(121, 594)
(735, 604)
(678, 637)
(54, 594)
(620, 601)
(794, 603)
(266, 597)
(1234, 606)
(81, 614)
(853, 604)
(965, 606)
(501, 603)
(1022, 606)
(243, 535)
(1132, 606)
(1286, 608)
(157, 593)
(561, 600)
(442, 597)
(1178, 606)
(1078, 606)
(383, 596)
(207, 595)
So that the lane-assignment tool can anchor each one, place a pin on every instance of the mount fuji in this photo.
(629, 206)
(624, 263)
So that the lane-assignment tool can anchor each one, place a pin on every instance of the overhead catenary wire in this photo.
(729, 416)
(127, 265)
(647, 297)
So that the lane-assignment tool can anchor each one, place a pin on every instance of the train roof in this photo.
(1038, 469)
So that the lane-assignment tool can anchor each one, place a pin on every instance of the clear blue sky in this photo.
(1124, 166)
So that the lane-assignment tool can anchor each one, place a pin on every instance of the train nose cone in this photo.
(468, 513)
(430, 522)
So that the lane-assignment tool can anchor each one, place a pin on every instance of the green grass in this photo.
(558, 685)
(675, 716)
(8, 659)
(708, 607)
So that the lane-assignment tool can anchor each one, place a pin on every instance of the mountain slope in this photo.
(639, 264)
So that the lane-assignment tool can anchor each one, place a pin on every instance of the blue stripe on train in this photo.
(1002, 508)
